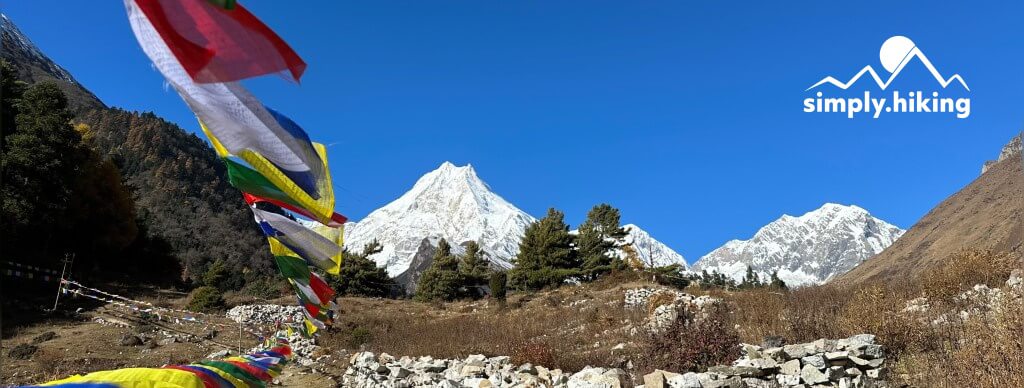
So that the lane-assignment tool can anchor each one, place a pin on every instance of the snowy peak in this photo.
(651, 252)
(809, 249)
(450, 202)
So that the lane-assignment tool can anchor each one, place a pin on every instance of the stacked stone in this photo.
(853, 362)
(662, 316)
(370, 371)
(265, 313)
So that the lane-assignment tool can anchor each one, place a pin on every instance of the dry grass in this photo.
(546, 328)
(986, 350)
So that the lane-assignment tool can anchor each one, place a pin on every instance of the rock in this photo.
(742, 371)
(729, 382)
(597, 378)
(832, 356)
(751, 351)
(774, 353)
(477, 382)
(772, 341)
(796, 351)
(166, 341)
(814, 360)
(865, 338)
(869, 351)
(527, 368)
(834, 373)
(399, 372)
(219, 354)
(791, 367)
(765, 364)
(853, 372)
(22, 352)
(471, 370)
(361, 358)
(130, 340)
(210, 335)
(751, 382)
(877, 374)
(788, 380)
(824, 345)
(660, 379)
(687, 380)
(845, 382)
(811, 375)
(43, 337)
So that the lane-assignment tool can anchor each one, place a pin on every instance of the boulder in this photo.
(658, 379)
(742, 371)
(686, 380)
(811, 375)
(791, 367)
(787, 380)
(815, 360)
(130, 340)
(797, 351)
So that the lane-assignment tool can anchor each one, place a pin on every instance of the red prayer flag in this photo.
(336, 219)
(215, 44)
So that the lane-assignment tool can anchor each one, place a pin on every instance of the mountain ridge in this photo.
(809, 249)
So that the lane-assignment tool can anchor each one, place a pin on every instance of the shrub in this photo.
(206, 299)
(359, 336)
(966, 268)
(498, 282)
(263, 288)
(690, 344)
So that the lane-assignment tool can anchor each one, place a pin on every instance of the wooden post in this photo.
(60, 284)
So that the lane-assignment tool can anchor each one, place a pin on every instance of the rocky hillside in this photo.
(987, 214)
(34, 66)
(179, 186)
(809, 249)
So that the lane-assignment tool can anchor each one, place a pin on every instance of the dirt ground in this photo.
(80, 345)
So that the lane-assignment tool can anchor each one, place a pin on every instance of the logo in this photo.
(896, 53)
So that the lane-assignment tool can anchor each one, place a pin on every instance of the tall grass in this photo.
(935, 347)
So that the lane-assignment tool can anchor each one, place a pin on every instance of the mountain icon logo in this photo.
(894, 55)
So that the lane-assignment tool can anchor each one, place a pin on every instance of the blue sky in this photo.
(688, 117)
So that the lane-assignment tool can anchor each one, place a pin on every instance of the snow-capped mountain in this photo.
(650, 251)
(449, 202)
(810, 249)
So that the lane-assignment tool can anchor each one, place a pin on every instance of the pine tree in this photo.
(360, 276)
(474, 266)
(599, 235)
(498, 282)
(546, 257)
(442, 281)
(777, 283)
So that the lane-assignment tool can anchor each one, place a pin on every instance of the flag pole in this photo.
(60, 284)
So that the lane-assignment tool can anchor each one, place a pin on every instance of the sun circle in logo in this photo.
(894, 51)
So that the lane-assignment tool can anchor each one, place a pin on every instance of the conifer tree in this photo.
(360, 276)
(777, 283)
(546, 257)
(599, 235)
(442, 281)
(474, 265)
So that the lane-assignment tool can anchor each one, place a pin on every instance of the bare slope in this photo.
(987, 214)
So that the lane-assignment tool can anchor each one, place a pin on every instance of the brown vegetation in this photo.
(935, 347)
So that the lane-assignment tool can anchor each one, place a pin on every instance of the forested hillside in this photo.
(180, 190)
